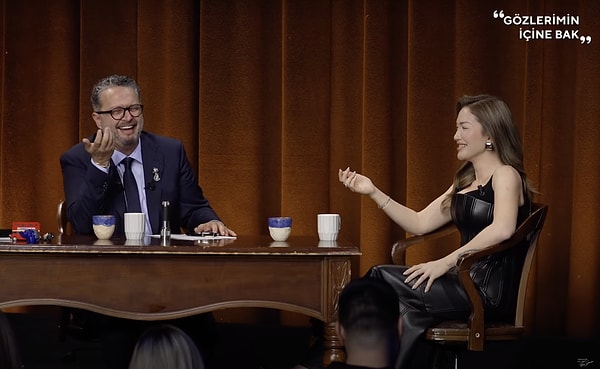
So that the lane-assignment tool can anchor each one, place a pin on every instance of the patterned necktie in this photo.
(132, 196)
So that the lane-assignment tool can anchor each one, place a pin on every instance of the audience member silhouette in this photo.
(165, 347)
(369, 324)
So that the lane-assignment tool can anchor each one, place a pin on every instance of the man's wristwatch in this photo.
(102, 165)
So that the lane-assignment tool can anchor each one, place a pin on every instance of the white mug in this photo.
(329, 226)
(135, 225)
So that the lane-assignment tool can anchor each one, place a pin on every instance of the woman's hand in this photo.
(426, 272)
(356, 182)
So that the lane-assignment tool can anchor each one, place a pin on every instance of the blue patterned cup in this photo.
(280, 228)
(104, 226)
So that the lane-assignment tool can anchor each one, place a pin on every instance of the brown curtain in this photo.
(271, 97)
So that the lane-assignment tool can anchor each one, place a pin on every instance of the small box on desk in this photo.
(22, 226)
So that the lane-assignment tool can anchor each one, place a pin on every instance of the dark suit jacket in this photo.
(89, 191)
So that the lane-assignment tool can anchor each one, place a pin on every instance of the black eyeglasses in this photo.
(118, 113)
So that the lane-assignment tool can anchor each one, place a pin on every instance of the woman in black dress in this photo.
(489, 198)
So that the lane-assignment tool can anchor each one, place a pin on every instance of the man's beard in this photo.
(127, 144)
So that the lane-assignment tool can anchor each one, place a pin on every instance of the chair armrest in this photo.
(399, 248)
(476, 322)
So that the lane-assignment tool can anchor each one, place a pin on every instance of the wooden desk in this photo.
(153, 282)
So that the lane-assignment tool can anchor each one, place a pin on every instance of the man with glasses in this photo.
(95, 170)
(95, 174)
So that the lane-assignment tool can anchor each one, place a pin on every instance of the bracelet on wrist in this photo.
(385, 203)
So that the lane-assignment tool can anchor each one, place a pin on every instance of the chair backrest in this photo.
(61, 217)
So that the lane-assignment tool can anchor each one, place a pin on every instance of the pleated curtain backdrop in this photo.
(272, 97)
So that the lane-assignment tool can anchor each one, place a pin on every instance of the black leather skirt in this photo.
(445, 300)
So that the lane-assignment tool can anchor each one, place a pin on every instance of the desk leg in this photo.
(334, 350)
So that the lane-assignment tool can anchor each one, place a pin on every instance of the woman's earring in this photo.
(489, 146)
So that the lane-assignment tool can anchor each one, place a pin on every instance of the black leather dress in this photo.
(496, 276)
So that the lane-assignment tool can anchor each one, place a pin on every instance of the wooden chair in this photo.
(475, 331)
(61, 217)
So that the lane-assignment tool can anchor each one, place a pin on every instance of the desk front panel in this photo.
(156, 285)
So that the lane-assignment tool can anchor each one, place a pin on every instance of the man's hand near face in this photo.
(102, 148)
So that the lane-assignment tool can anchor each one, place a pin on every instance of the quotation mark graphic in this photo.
(499, 14)
(586, 39)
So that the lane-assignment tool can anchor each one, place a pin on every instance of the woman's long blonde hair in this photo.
(496, 119)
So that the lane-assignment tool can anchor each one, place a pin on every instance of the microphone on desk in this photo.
(165, 231)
